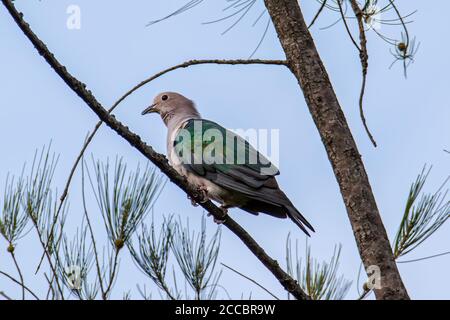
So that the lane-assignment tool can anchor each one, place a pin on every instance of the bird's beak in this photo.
(150, 109)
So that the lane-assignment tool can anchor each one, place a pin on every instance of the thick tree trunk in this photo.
(288, 283)
(305, 63)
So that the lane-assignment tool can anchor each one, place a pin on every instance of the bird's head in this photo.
(172, 105)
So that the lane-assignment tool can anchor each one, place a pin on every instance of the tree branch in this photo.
(158, 160)
(251, 280)
(307, 66)
(4, 295)
(19, 271)
(316, 16)
(91, 233)
(364, 57)
(19, 283)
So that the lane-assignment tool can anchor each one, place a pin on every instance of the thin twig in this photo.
(405, 54)
(366, 290)
(364, 57)
(364, 294)
(425, 258)
(19, 271)
(50, 287)
(251, 280)
(347, 28)
(112, 274)
(165, 288)
(402, 21)
(158, 159)
(91, 232)
(4, 295)
(49, 259)
(19, 283)
(318, 13)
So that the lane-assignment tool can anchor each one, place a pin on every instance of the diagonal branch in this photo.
(19, 283)
(91, 233)
(4, 295)
(347, 28)
(251, 280)
(316, 16)
(158, 160)
(19, 271)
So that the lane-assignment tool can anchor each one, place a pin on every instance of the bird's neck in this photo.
(175, 121)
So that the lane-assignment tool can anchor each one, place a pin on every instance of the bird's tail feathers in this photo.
(298, 219)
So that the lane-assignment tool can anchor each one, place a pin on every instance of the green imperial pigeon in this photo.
(220, 164)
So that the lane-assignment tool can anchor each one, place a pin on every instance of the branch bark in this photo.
(158, 160)
(306, 65)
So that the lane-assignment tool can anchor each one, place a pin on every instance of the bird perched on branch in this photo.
(219, 163)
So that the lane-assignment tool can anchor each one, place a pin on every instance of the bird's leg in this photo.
(202, 195)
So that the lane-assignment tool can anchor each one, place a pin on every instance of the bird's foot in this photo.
(224, 216)
(193, 202)
(202, 194)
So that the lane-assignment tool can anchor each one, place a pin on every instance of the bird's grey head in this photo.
(172, 106)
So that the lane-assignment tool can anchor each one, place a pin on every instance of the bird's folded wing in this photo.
(233, 157)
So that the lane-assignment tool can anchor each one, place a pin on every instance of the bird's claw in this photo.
(219, 221)
(224, 210)
(224, 217)
(202, 195)
(193, 202)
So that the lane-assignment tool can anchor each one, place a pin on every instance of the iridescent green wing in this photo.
(207, 148)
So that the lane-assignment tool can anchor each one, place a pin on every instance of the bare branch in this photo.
(112, 274)
(425, 258)
(251, 280)
(316, 16)
(4, 295)
(364, 57)
(158, 159)
(19, 283)
(91, 233)
(19, 271)
(347, 28)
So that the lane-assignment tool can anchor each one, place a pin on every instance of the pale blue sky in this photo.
(114, 50)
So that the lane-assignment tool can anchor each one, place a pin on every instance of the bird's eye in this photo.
(164, 97)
